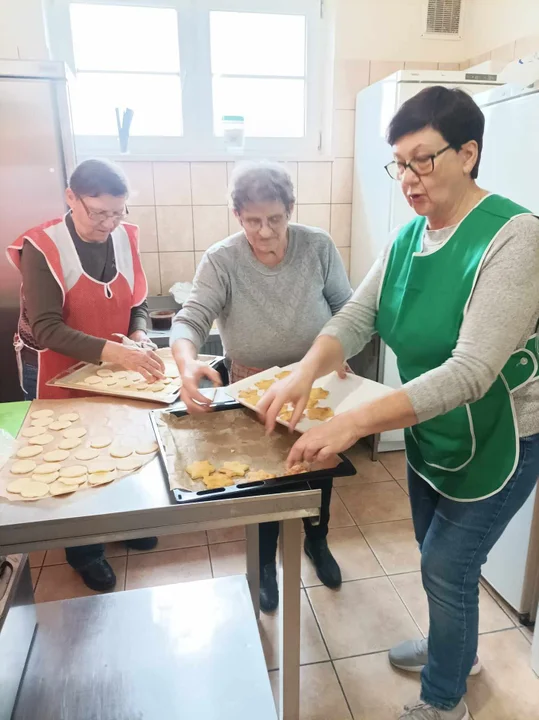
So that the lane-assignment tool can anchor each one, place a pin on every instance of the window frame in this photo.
(198, 140)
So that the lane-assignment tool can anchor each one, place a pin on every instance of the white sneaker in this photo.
(424, 711)
(412, 656)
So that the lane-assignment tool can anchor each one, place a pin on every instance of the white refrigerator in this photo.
(378, 206)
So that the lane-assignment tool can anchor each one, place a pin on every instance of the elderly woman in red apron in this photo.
(271, 287)
(456, 296)
(82, 282)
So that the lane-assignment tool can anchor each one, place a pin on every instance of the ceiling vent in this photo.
(443, 19)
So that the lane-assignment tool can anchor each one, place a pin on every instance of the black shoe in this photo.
(269, 590)
(98, 576)
(325, 564)
(142, 543)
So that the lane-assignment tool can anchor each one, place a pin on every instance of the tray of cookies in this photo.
(228, 453)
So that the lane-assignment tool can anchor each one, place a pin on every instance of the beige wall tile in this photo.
(351, 76)
(315, 216)
(150, 264)
(314, 182)
(176, 267)
(504, 53)
(478, 59)
(198, 258)
(345, 254)
(292, 168)
(175, 228)
(209, 183)
(342, 179)
(211, 226)
(420, 65)
(172, 181)
(526, 46)
(341, 224)
(140, 177)
(464, 65)
(449, 66)
(144, 217)
(343, 133)
(380, 69)
(233, 223)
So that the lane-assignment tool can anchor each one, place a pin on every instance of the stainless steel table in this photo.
(141, 505)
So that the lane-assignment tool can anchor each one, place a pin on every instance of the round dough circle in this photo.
(15, 485)
(72, 471)
(120, 450)
(121, 374)
(79, 480)
(41, 440)
(59, 425)
(142, 386)
(101, 466)
(41, 414)
(60, 488)
(56, 456)
(172, 372)
(147, 448)
(86, 454)
(157, 387)
(31, 432)
(68, 417)
(102, 478)
(33, 489)
(49, 478)
(47, 468)
(69, 443)
(104, 372)
(77, 432)
(110, 381)
(93, 380)
(101, 441)
(166, 381)
(43, 421)
(176, 381)
(124, 383)
(23, 467)
(128, 463)
(29, 451)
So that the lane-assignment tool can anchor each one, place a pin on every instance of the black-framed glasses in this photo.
(422, 165)
(275, 222)
(99, 216)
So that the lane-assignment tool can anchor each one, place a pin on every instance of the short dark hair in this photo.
(93, 178)
(452, 112)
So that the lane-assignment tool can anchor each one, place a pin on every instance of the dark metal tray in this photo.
(249, 488)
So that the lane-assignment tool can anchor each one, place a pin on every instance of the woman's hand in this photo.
(146, 362)
(294, 389)
(326, 440)
(192, 371)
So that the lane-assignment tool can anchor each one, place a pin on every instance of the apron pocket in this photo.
(448, 441)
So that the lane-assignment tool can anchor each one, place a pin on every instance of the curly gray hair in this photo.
(261, 182)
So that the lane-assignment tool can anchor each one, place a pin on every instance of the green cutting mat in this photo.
(12, 416)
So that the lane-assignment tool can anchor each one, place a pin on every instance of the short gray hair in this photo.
(96, 177)
(261, 182)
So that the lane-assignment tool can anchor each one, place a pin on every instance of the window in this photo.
(181, 65)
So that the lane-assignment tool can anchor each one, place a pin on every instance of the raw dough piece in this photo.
(147, 448)
(43, 422)
(76, 432)
(69, 443)
(102, 478)
(166, 381)
(72, 471)
(121, 450)
(49, 478)
(320, 413)
(33, 489)
(79, 480)
(15, 486)
(171, 372)
(101, 441)
(157, 387)
(56, 456)
(318, 394)
(250, 397)
(47, 468)
(128, 463)
(104, 373)
(265, 384)
(217, 480)
(69, 417)
(199, 469)
(110, 381)
(142, 386)
(259, 475)
(297, 469)
(135, 377)
(121, 374)
(41, 413)
(235, 468)
(101, 466)
(29, 451)
(41, 440)
(31, 432)
(60, 488)
(176, 381)
(124, 383)
(284, 373)
(59, 425)
(93, 379)
(86, 454)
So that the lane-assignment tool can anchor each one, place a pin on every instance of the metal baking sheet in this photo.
(230, 433)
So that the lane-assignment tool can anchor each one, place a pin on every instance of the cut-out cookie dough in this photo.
(86, 454)
(217, 480)
(79, 480)
(102, 465)
(142, 386)
(110, 381)
(121, 450)
(77, 432)
(56, 456)
(101, 478)
(43, 422)
(199, 469)
(147, 448)
(157, 387)
(69, 443)
(41, 414)
(320, 413)
(59, 425)
(121, 374)
(15, 486)
(129, 463)
(32, 489)
(29, 451)
(41, 439)
(49, 478)
(259, 475)
(235, 468)
(68, 417)
(72, 471)
(30, 432)
(101, 441)
(104, 372)
(47, 468)
(93, 380)
(171, 372)
(60, 488)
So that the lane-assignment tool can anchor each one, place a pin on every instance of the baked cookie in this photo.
(260, 475)
(264, 384)
(320, 413)
(234, 468)
(318, 394)
(251, 397)
(284, 373)
(297, 469)
(217, 480)
(199, 469)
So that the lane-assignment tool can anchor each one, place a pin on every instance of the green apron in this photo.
(470, 452)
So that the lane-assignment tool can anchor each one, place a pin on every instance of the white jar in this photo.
(234, 132)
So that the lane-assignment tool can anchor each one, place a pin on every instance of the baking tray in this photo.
(73, 379)
(243, 488)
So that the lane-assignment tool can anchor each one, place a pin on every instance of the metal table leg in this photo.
(289, 619)
(253, 566)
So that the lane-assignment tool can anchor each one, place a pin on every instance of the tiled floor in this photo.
(345, 674)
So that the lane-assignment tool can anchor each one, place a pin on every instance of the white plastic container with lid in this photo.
(234, 132)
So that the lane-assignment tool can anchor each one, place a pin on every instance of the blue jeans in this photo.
(455, 539)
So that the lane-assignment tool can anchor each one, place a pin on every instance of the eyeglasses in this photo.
(255, 224)
(99, 216)
(423, 165)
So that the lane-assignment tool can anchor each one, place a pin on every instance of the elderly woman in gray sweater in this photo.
(271, 287)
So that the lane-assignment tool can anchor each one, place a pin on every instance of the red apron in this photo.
(92, 307)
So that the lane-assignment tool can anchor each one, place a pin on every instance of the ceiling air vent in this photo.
(443, 18)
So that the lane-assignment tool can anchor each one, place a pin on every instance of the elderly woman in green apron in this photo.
(456, 296)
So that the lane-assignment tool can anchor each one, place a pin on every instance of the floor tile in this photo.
(395, 463)
(228, 558)
(394, 545)
(175, 542)
(376, 502)
(338, 514)
(61, 582)
(321, 697)
(226, 534)
(57, 556)
(364, 616)
(508, 610)
(410, 588)
(527, 632)
(507, 688)
(351, 551)
(367, 471)
(36, 558)
(403, 482)
(34, 572)
(168, 567)
(312, 646)
(374, 690)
